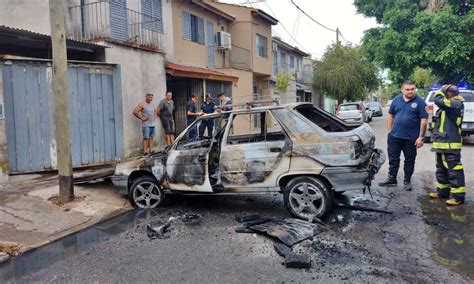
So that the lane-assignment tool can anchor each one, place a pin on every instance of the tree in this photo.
(423, 78)
(434, 34)
(282, 81)
(344, 74)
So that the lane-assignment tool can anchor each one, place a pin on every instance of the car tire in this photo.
(146, 193)
(307, 196)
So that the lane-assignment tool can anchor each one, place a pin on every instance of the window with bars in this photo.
(262, 46)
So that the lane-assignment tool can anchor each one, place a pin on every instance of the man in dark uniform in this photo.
(406, 124)
(447, 144)
(191, 115)
(208, 106)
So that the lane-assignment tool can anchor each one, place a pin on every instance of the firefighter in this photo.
(447, 143)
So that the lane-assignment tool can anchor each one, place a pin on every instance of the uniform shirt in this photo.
(192, 108)
(208, 108)
(407, 117)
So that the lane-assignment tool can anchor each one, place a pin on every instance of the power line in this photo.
(291, 36)
(332, 30)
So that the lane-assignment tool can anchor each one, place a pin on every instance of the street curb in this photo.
(4, 257)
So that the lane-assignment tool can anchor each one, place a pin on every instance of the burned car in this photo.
(299, 150)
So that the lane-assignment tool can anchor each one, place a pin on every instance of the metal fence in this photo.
(112, 21)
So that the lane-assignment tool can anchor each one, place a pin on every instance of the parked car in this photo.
(303, 152)
(376, 108)
(467, 125)
(352, 112)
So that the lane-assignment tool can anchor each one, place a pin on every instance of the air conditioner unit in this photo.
(274, 46)
(223, 40)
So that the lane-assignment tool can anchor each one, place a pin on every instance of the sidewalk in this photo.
(29, 219)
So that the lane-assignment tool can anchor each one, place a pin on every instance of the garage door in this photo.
(95, 115)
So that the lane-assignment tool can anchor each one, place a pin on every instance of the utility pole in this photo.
(60, 93)
(337, 36)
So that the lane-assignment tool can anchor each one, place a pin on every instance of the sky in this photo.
(298, 30)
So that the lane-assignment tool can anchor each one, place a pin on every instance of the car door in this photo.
(255, 151)
(187, 163)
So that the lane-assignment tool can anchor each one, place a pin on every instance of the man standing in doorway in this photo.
(146, 112)
(406, 124)
(208, 106)
(191, 114)
(165, 111)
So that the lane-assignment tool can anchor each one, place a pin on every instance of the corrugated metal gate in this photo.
(95, 113)
(182, 89)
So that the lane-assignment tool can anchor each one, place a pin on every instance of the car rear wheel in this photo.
(307, 196)
(146, 193)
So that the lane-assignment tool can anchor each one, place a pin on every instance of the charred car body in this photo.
(299, 150)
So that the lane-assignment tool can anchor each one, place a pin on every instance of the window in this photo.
(283, 60)
(292, 62)
(267, 128)
(261, 46)
(298, 65)
(193, 28)
(275, 62)
(152, 15)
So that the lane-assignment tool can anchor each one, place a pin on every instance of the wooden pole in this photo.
(60, 92)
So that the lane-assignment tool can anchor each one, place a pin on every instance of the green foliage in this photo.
(423, 77)
(282, 80)
(344, 74)
(434, 34)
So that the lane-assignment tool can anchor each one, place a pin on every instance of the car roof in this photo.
(256, 109)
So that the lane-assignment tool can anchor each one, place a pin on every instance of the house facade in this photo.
(288, 61)
(115, 53)
(250, 57)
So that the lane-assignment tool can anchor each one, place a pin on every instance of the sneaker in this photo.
(390, 181)
(407, 185)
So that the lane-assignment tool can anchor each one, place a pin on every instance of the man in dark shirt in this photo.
(406, 124)
(208, 106)
(191, 114)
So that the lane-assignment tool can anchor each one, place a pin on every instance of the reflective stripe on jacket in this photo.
(447, 126)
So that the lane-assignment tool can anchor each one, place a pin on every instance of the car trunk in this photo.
(340, 135)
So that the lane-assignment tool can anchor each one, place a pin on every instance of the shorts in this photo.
(148, 132)
(168, 125)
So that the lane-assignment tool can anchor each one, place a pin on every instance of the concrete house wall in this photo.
(142, 71)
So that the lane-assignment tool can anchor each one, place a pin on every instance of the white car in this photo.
(468, 121)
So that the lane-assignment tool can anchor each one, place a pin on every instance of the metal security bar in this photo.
(113, 22)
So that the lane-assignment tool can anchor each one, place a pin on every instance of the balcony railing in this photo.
(240, 58)
(109, 21)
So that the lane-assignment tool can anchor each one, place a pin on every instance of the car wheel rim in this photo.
(306, 199)
(147, 195)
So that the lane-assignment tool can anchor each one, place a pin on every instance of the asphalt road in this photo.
(408, 245)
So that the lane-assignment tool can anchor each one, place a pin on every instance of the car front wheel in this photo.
(306, 196)
(146, 193)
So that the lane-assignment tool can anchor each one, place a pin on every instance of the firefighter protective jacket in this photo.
(447, 128)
